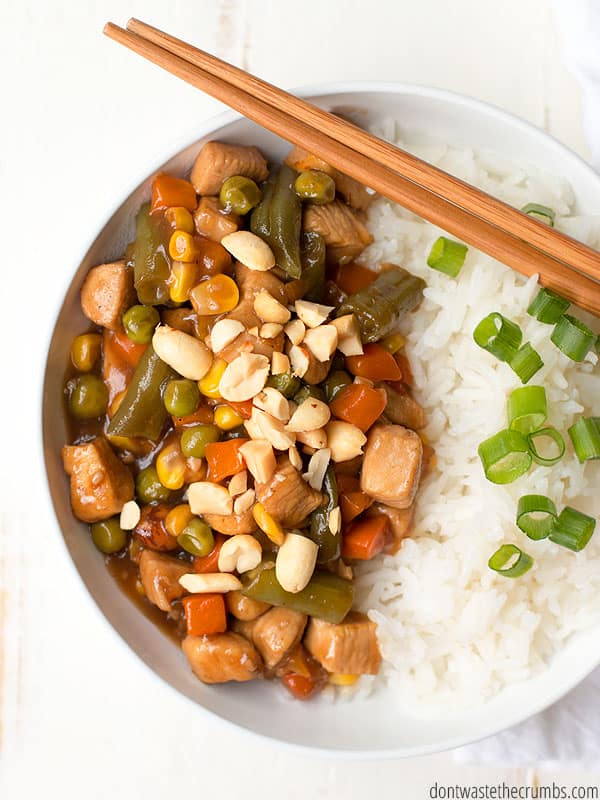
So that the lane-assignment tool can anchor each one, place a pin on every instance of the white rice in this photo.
(450, 629)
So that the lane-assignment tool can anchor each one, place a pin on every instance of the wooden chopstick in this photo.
(564, 248)
(493, 240)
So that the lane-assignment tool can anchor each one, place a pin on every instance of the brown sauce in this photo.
(125, 573)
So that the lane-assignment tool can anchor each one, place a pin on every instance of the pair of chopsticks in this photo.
(564, 265)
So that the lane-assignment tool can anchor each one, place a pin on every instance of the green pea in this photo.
(195, 439)
(309, 391)
(316, 186)
(149, 489)
(181, 397)
(108, 536)
(285, 382)
(239, 194)
(88, 397)
(196, 538)
(139, 323)
(334, 382)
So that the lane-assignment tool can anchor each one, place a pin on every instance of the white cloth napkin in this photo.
(569, 731)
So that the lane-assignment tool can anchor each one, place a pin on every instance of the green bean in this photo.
(142, 411)
(334, 382)
(312, 255)
(320, 533)
(381, 306)
(278, 220)
(326, 597)
(284, 382)
(151, 260)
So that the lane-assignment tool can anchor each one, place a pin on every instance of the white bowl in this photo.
(376, 726)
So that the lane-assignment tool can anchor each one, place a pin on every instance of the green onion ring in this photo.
(527, 409)
(499, 336)
(573, 338)
(546, 433)
(447, 256)
(585, 435)
(548, 307)
(536, 516)
(505, 456)
(503, 555)
(540, 212)
(526, 362)
(573, 529)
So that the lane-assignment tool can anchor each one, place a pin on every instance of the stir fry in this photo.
(242, 428)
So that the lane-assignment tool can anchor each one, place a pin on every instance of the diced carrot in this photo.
(205, 614)
(299, 686)
(169, 191)
(353, 277)
(352, 500)
(365, 538)
(224, 459)
(204, 415)
(128, 350)
(244, 409)
(404, 364)
(359, 404)
(210, 563)
(376, 363)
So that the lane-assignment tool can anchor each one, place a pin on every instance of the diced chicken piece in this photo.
(317, 370)
(232, 524)
(344, 233)
(392, 465)
(151, 531)
(248, 343)
(244, 608)
(211, 219)
(400, 520)
(287, 496)
(182, 319)
(353, 192)
(274, 634)
(160, 578)
(106, 293)
(222, 657)
(218, 161)
(250, 282)
(402, 409)
(100, 483)
(350, 647)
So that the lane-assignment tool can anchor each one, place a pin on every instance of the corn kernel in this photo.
(217, 295)
(180, 219)
(343, 679)
(177, 519)
(171, 466)
(394, 342)
(226, 418)
(269, 526)
(85, 351)
(182, 246)
(184, 276)
(116, 402)
(209, 385)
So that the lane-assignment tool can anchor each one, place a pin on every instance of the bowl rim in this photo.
(211, 125)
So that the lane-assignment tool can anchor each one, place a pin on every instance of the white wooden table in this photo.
(81, 119)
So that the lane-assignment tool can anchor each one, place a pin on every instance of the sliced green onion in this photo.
(506, 554)
(585, 435)
(536, 515)
(499, 336)
(527, 409)
(548, 307)
(573, 338)
(526, 362)
(505, 456)
(447, 256)
(547, 434)
(539, 212)
(573, 529)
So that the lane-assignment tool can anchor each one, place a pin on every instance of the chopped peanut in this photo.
(244, 377)
(205, 497)
(349, 342)
(269, 309)
(274, 403)
(252, 251)
(295, 330)
(260, 459)
(309, 416)
(312, 314)
(224, 332)
(322, 341)
(280, 364)
(244, 502)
